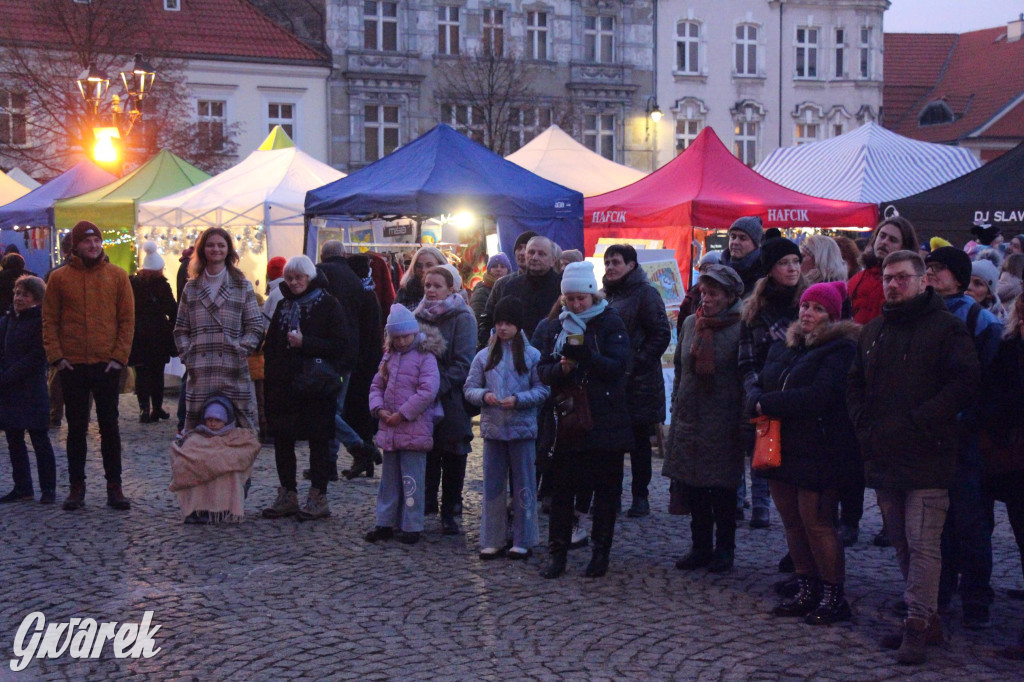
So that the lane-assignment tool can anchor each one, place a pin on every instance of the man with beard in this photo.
(866, 294)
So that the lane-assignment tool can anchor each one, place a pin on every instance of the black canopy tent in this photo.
(992, 194)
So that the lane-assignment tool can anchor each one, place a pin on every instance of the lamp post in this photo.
(125, 108)
(653, 113)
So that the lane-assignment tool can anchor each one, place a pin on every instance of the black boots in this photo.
(363, 459)
(806, 600)
(602, 534)
(76, 498)
(556, 566)
(721, 561)
(832, 608)
(697, 558)
(116, 498)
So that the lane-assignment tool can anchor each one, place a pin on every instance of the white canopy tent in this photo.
(555, 156)
(11, 189)
(23, 178)
(868, 164)
(261, 197)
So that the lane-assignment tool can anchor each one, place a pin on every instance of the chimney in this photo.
(1014, 29)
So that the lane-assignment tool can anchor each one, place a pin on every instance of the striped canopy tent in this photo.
(869, 164)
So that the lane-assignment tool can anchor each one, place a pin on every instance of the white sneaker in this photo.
(579, 535)
(488, 553)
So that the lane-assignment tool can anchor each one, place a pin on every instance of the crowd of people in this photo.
(899, 368)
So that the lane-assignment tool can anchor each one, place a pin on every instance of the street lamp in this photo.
(93, 85)
(125, 109)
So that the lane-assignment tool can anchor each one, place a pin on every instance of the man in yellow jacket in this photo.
(88, 324)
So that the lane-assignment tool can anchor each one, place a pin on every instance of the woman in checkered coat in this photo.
(219, 325)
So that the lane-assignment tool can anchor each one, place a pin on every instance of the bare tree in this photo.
(39, 74)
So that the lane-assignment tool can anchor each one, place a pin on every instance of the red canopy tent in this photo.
(707, 187)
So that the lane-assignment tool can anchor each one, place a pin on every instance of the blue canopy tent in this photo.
(443, 172)
(28, 221)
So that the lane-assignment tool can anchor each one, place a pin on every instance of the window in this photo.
(283, 115)
(806, 52)
(688, 47)
(840, 53)
(746, 50)
(687, 130)
(747, 117)
(536, 35)
(935, 114)
(172, 5)
(806, 132)
(380, 131)
(380, 25)
(467, 119)
(837, 129)
(525, 124)
(865, 53)
(598, 39)
(494, 32)
(599, 134)
(212, 121)
(12, 118)
(447, 30)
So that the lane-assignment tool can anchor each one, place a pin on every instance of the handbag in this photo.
(318, 379)
(767, 443)
(572, 409)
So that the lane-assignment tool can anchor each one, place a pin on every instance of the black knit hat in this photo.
(774, 250)
(958, 262)
(509, 309)
(986, 234)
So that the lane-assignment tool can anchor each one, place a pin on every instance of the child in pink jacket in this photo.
(402, 397)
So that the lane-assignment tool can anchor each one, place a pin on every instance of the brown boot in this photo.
(933, 636)
(76, 498)
(116, 498)
(912, 650)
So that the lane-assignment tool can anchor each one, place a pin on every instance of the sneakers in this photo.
(519, 553)
(116, 499)
(315, 507)
(15, 496)
(286, 504)
(640, 508)
(76, 498)
(579, 535)
(379, 533)
(489, 553)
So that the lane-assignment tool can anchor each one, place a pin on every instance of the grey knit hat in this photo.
(751, 225)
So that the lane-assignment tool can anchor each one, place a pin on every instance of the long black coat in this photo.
(915, 369)
(347, 288)
(605, 374)
(804, 385)
(643, 312)
(1001, 407)
(24, 401)
(155, 314)
(325, 334)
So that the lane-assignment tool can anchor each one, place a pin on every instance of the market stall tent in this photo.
(992, 194)
(114, 207)
(869, 164)
(265, 193)
(23, 178)
(10, 189)
(444, 172)
(707, 187)
(555, 156)
(28, 221)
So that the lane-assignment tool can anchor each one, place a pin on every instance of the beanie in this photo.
(216, 411)
(958, 262)
(751, 225)
(829, 295)
(710, 258)
(523, 238)
(275, 268)
(578, 278)
(937, 243)
(401, 321)
(152, 259)
(986, 234)
(774, 250)
(771, 233)
(82, 230)
(456, 277)
(186, 255)
(987, 270)
(509, 309)
(499, 259)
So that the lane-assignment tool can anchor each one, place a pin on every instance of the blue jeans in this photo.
(343, 433)
(400, 495)
(502, 458)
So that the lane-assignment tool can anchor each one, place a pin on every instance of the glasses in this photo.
(900, 280)
(935, 267)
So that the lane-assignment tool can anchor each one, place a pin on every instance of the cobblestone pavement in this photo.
(280, 600)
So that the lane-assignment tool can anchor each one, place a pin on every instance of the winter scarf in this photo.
(432, 311)
(702, 350)
(576, 324)
(292, 308)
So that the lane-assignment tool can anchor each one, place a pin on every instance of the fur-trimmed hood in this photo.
(843, 329)
(431, 340)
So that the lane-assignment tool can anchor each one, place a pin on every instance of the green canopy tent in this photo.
(114, 207)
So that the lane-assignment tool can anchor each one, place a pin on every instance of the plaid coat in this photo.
(214, 343)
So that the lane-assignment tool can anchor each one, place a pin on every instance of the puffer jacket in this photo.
(643, 312)
(88, 314)
(498, 423)
(411, 388)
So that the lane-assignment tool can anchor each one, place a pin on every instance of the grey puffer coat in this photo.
(499, 423)
(454, 433)
(643, 311)
(705, 445)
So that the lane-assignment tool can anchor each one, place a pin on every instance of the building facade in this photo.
(591, 60)
(766, 74)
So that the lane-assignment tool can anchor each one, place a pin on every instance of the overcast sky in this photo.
(949, 16)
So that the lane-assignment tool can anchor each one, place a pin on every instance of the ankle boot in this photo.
(76, 497)
(932, 637)
(721, 561)
(362, 462)
(912, 650)
(602, 533)
(556, 566)
(807, 598)
(116, 498)
(832, 608)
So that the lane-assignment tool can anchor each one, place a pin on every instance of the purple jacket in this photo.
(411, 388)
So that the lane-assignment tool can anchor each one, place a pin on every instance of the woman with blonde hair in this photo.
(822, 260)
(410, 291)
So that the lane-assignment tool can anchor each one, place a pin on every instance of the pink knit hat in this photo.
(830, 295)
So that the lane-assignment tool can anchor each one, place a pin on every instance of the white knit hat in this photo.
(578, 278)
(987, 271)
(153, 260)
(455, 275)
